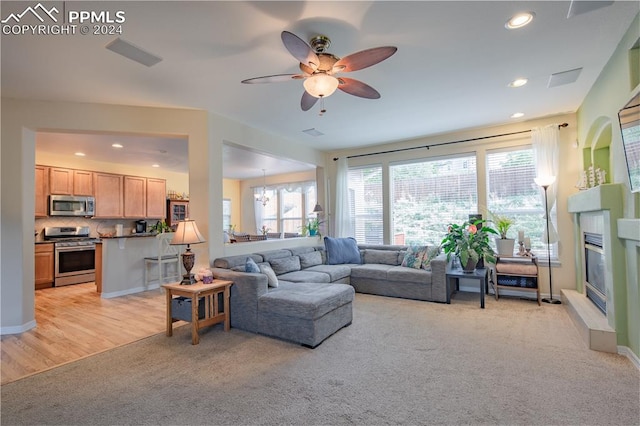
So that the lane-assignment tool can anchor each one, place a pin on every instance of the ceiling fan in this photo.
(319, 69)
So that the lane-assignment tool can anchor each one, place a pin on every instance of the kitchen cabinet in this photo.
(108, 189)
(177, 210)
(60, 181)
(70, 182)
(82, 183)
(43, 265)
(42, 191)
(135, 196)
(156, 196)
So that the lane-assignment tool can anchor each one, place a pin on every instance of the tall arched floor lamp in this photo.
(545, 182)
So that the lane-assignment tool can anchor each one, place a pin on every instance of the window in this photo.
(429, 195)
(288, 207)
(512, 192)
(365, 204)
(226, 213)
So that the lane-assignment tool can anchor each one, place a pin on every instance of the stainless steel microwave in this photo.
(69, 205)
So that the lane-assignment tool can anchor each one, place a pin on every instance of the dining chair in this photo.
(167, 261)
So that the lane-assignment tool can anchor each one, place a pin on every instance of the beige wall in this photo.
(205, 133)
(563, 272)
(231, 190)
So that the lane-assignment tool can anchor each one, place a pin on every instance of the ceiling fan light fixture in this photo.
(320, 85)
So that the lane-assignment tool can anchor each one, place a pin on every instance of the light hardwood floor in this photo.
(74, 322)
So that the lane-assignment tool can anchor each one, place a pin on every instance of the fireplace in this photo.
(594, 260)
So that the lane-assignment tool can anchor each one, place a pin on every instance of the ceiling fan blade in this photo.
(300, 50)
(273, 78)
(357, 88)
(307, 101)
(364, 59)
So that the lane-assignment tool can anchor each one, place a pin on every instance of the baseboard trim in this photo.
(17, 329)
(624, 350)
(134, 290)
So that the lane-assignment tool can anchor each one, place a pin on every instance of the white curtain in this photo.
(343, 219)
(546, 147)
(259, 209)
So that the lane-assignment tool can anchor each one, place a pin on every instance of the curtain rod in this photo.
(443, 143)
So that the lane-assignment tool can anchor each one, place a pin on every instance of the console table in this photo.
(212, 314)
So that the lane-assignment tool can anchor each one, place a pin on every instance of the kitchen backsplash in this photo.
(104, 225)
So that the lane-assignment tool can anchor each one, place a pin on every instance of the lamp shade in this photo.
(544, 181)
(320, 85)
(187, 233)
(318, 209)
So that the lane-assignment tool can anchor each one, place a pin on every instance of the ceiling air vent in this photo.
(313, 132)
(564, 77)
(133, 52)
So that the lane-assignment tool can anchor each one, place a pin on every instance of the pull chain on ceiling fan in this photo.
(319, 68)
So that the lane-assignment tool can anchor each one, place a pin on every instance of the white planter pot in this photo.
(505, 246)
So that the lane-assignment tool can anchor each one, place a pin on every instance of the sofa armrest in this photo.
(439, 278)
(245, 292)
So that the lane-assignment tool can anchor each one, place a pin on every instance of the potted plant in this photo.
(504, 245)
(470, 243)
(312, 228)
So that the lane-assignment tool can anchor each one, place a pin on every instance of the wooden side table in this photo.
(519, 273)
(212, 314)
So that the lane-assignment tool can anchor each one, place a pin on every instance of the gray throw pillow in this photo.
(251, 266)
(307, 260)
(285, 264)
(271, 276)
(342, 250)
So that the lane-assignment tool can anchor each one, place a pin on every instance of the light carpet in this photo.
(400, 362)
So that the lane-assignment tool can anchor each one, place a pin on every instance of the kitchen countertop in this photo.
(146, 234)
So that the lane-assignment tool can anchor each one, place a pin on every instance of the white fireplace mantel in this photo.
(599, 210)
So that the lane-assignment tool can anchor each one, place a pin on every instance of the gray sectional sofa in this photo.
(314, 299)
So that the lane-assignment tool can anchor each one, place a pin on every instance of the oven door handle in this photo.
(76, 248)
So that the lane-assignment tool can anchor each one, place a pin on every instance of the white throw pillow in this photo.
(271, 276)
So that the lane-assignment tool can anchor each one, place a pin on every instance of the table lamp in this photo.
(187, 233)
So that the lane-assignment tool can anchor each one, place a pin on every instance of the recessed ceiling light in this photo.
(116, 145)
(517, 115)
(155, 165)
(518, 82)
(80, 154)
(519, 20)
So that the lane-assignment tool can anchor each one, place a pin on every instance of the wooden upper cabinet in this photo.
(156, 205)
(42, 191)
(60, 181)
(135, 196)
(82, 182)
(108, 190)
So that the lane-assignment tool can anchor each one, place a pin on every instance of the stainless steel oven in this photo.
(74, 255)
(74, 262)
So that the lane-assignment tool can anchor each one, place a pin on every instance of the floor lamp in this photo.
(545, 182)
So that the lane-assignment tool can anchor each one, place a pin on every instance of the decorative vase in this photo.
(505, 246)
(470, 266)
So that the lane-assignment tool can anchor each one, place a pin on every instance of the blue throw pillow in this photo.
(251, 266)
(341, 250)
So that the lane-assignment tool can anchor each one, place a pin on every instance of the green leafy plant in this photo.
(161, 227)
(503, 224)
(469, 241)
(312, 228)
